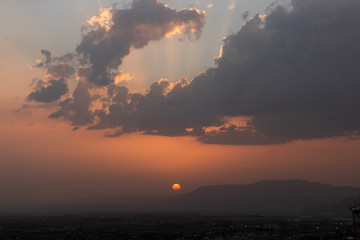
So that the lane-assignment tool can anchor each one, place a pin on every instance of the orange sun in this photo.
(176, 187)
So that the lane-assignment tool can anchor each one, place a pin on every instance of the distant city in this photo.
(174, 226)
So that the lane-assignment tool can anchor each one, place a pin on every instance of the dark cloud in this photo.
(293, 76)
(54, 86)
(37, 84)
(234, 135)
(52, 91)
(47, 55)
(60, 71)
(77, 108)
(157, 112)
(47, 60)
(146, 20)
(67, 58)
(245, 15)
(114, 32)
(296, 74)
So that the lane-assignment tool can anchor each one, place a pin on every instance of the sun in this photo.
(176, 187)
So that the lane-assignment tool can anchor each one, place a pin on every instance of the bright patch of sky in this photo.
(56, 26)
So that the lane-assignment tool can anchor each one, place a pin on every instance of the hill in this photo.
(269, 197)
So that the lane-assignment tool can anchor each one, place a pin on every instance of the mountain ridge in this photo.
(291, 187)
(267, 197)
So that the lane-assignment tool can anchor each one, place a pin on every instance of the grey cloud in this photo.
(58, 71)
(296, 74)
(49, 93)
(67, 58)
(145, 21)
(103, 49)
(234, 135)
(157, 112)
(47, 55)
(245, 15)
(84, 73)
(76, 109)
(37, 84)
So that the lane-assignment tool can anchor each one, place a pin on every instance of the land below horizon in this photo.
(266, 198)
(171, 226)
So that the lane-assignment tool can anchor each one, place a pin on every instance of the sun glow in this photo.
(262, 17)
(103, 19)
(239, 122)
(123, 77)
(176, 31)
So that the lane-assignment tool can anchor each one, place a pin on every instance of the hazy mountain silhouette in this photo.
(265, 197)
(273, 197)
(270, 189)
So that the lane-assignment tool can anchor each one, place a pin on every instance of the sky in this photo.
(109, 98)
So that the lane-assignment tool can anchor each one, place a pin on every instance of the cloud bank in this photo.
(292, 75)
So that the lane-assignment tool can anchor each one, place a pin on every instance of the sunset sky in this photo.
(117, 97)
